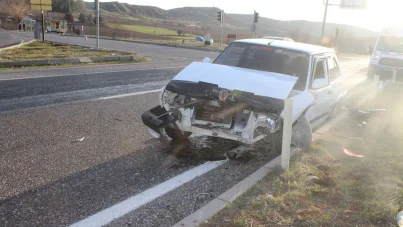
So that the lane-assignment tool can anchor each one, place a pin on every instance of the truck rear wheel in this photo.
(177, 134)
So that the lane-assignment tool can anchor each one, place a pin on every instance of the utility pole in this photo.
(220, 18)
(97, 12)
(324, 20)
(43, 23)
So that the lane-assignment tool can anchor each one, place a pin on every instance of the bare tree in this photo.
(19, 8)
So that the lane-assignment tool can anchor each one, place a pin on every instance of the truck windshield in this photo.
(390, 44)
(267, 58)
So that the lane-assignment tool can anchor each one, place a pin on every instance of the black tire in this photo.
(177, 134)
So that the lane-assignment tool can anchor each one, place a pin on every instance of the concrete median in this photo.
(62, 61)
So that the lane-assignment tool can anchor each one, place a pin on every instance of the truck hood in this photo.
(267, 84)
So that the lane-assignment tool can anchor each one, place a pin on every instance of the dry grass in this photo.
(151, 30)
(345, 191)
(45, 50)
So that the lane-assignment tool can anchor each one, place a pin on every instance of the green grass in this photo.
(348, 191)
(150, 30)
(46, 50)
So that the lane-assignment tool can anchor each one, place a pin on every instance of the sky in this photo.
(379, 13)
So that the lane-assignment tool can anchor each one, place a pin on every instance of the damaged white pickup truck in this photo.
(240, 96)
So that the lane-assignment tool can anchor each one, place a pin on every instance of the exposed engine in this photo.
(219, 114)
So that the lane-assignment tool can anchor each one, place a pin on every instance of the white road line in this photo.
(126, 95)
(116, 211)
(91, 73)
(77, 101)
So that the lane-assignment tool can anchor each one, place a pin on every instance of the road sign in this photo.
(43, 2)
(359, 4)
(44, 7)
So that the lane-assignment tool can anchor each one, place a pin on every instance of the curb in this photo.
(219, 203)
(16, 46)
(61, 61)
(210, 209)
(152, 43)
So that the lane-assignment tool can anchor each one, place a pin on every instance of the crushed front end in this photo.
(204, 108)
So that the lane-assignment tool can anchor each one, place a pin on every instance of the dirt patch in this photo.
(353, 176)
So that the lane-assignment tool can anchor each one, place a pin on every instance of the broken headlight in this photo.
(266, 123)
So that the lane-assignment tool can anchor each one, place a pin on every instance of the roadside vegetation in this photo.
(152, 31)
(46, 50)
(327, 187)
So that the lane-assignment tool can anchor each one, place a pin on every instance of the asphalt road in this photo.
(72, 145)
(8, 39)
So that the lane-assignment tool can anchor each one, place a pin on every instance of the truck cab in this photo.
(387, 57)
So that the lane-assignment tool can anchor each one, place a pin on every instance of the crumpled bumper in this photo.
(155, 118)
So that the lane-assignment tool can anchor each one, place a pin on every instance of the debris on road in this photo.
(355, 138)
(349, 153)
(312, 177)
(269, 196)
(81, 139)
(371, 111)
(376, 110)
(363, 112)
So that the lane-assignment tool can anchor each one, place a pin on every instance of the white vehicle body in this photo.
(244, 104)
(278, 38)
(387, 56)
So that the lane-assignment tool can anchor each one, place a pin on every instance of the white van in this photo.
(387, 56)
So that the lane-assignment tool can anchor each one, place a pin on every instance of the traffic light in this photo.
(337, 32)
(256, 18)
(220, 16)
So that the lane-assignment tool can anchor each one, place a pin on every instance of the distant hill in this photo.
(207, 16)
(132, 10)
(234, 23)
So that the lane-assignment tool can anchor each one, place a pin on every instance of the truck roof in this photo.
(303, 47)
